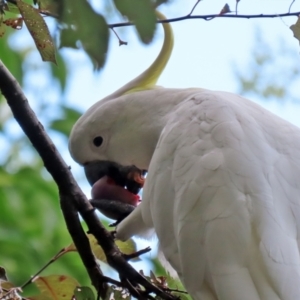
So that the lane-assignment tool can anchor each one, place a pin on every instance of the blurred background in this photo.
(257, 58)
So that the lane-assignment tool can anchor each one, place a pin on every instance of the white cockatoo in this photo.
(223, 186)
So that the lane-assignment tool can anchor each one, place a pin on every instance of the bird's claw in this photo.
(113, 234)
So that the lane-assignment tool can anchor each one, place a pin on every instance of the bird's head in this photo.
(119, 131)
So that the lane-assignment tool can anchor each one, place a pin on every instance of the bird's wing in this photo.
(223, 193)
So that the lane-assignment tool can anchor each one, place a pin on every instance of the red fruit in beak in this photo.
(106, 188)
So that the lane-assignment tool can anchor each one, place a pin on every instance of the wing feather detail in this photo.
(223, 193)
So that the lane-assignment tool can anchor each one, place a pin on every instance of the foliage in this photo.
(31, 224)
(144, 21)
(77, 21)
(38, 30)
(273, 72)
(30, 218)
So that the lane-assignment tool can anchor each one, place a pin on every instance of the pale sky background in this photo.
(203, 56)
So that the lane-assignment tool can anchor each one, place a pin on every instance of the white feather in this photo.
(222, 193)
(222, 190)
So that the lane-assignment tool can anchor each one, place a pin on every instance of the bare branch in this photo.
(209, 17)
(121, 42)
(190, 16)
(48, 13)
(52, 260)
(137, 254)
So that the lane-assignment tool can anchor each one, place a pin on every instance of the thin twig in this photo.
(48, 13)
(194, 8)
(137, 253)
(121, 42)
(291, 5)
(175, 290)
(52, 260)
(236, 6)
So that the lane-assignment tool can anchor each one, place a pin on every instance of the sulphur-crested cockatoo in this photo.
(223, 186)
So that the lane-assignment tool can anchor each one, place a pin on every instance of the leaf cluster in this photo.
(79, 25)
(67, 287)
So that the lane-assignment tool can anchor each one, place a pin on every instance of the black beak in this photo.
(120, 174)
(97, 169)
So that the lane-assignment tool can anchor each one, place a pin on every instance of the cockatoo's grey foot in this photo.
(113, 209)
(113, 234)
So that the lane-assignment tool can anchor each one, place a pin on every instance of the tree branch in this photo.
(213, 16)
(72, 199)
(189, 16)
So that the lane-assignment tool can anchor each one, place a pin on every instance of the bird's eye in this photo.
(98, 140)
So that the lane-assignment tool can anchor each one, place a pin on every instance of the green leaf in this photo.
(60, 71)
(296, 29)
(87, 27)
(38, 30)
(48, 5)
(64, 125)
(12, 8)
(59, 287)
(142, 14)
(3, 7)
(68, 38)
(12, 60)
(84, 293)
(159, 2)
(127, 247)
(35, 223)
(2, 29)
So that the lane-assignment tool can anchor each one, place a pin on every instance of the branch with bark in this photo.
(73, 201)
(227, 14)
(213, 16)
